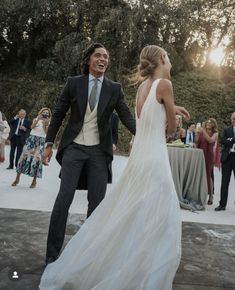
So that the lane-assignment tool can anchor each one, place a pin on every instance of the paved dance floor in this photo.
(208, 241)
(208, 256)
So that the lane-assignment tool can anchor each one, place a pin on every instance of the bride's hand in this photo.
(182, 112)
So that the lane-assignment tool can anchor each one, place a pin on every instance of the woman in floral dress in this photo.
(30, 162)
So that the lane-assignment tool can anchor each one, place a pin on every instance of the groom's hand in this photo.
(46, 156)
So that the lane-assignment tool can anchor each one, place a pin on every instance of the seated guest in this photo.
(206, 137)
(190, 135)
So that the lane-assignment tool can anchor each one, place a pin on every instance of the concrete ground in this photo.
(208, 256)
(208, 240)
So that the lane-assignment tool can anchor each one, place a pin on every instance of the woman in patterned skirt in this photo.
(30, 162)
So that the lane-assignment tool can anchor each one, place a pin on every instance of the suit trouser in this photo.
(16, 144)
(75, 157)
(227, 167)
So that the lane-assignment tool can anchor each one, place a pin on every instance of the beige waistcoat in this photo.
(89, 134)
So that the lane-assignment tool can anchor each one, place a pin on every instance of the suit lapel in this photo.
(105, 95)
(82, 94)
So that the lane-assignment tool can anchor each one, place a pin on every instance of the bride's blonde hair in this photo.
(148, 62)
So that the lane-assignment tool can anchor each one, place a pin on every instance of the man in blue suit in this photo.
(20, 129)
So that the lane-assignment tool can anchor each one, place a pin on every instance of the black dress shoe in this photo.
(218, 208)
(50, 260)
(9, 167)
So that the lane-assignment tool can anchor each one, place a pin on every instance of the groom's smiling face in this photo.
(98, 62)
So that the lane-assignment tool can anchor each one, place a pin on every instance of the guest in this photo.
(30, 162)
(206, 137)
(190, 134)
(216, 158)
(114, 127)
(180, 132)
(20, 128)
(228, 162)
(4, 133)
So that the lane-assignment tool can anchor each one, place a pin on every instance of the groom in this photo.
(85, 152)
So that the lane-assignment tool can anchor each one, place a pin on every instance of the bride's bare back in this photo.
(164, 95)
(141, 96)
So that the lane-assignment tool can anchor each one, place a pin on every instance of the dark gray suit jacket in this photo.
(23, 134)
(227, 144)
(75, 97)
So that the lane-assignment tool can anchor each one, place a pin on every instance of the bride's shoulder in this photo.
(164, 90)
(142, 85)
(164, 86)
(165, 83)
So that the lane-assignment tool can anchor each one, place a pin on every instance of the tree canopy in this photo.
(41, 43)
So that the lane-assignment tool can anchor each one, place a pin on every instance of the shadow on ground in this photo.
(208, 255)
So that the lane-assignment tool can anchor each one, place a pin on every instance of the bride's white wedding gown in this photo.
(132, 241)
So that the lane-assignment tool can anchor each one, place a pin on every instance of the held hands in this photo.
(46, 156)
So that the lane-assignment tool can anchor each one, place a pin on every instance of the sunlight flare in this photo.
(217, 55)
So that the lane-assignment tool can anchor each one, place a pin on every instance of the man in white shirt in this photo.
(190, 134)
(20, 129)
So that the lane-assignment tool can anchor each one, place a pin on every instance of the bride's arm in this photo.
(164, 95)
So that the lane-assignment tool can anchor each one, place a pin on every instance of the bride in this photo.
(132, 241)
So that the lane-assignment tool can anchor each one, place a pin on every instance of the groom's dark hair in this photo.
(86, 56)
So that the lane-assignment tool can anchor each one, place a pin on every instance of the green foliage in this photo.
(27, 92)
(206, 94)
(41, 43)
